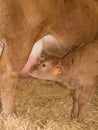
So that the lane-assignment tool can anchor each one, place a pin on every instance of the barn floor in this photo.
(45, 105)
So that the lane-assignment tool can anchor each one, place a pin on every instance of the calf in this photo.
(78, 70)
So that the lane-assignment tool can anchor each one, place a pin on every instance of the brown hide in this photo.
(23, 22)
(78, 70)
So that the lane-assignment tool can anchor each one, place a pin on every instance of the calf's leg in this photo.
(75, 103)
(84, 96)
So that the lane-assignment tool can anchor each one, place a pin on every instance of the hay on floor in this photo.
(45, 105)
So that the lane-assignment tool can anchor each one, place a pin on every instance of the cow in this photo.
(50, 45)
(23, 23)
(78, 70)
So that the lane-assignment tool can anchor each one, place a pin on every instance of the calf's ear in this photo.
(58, 69)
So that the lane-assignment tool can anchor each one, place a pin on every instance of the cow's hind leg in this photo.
(8, 86)
(8, 81)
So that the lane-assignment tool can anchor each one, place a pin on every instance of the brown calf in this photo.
(78, 70)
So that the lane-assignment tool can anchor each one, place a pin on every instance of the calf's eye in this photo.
(43, 65)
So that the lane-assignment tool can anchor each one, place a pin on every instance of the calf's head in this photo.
(49, 69)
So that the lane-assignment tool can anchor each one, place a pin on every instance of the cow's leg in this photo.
(8, 86)
(75, 103)
(83, 99)
(8, 81)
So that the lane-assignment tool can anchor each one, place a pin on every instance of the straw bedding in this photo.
(45, 105)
